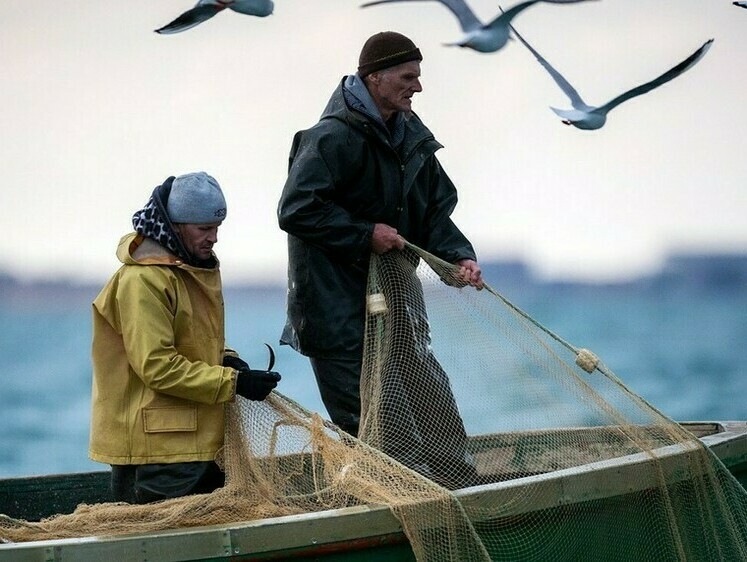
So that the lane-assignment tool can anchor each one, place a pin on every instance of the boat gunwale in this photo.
(600, 479)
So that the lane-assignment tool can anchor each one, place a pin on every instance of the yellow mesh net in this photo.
(468, 390)
(487, 435)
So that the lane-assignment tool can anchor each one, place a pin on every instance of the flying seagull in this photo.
(206, 9)
(584, 116)
(484, 38)
(740, 4)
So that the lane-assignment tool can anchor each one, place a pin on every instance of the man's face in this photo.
(198, 239)
(395, 87)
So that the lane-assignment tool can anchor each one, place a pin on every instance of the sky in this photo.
(97, 109)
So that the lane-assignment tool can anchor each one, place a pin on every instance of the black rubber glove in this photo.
(256, 385)
(235, 363)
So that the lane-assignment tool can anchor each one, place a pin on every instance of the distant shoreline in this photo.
(721, 271)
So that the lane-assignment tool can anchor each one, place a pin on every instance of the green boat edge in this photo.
(365, 532)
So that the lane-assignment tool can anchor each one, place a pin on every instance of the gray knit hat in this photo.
(196, 199)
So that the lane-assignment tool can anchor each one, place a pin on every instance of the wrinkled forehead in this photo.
(406, 69)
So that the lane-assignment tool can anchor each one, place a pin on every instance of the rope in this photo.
(450, 266)
(584, 358)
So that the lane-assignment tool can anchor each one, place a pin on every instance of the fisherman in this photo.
(362, 180)
(161, 372)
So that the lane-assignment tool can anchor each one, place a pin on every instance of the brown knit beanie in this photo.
(386, 49)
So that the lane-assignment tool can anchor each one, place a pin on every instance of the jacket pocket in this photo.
(169, 419)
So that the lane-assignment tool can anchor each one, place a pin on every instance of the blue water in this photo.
(682, 349)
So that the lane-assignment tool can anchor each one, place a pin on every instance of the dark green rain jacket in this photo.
(344, 176)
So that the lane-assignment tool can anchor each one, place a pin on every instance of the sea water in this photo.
(683, 347)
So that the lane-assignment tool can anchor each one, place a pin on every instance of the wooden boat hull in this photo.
(596, 497)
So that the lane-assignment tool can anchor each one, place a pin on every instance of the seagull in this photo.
(740, 4)
(206, 9)
(584, 116)
(484, 38)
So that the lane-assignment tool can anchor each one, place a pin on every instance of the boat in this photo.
(372, 532)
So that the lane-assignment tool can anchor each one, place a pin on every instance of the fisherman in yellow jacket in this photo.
(161, 371)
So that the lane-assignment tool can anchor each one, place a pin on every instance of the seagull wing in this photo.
(201, 12)
(569, 90)
(467, 19)
(663, 79)
(507, 15)
(259, 8)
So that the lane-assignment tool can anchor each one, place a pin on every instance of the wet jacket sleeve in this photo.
(308, 208)
(147, 302)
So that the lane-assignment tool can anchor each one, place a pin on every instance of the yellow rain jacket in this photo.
(159, 391)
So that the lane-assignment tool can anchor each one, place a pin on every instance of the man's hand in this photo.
(235, 363)
(470, 273)
(256, 385)
(385, 238)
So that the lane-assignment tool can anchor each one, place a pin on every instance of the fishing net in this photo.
(487, 435)
(569, 464)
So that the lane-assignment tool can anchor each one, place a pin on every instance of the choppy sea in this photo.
(679, 339)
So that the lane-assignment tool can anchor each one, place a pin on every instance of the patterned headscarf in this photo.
(152, 221)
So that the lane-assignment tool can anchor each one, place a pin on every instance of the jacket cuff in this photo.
(234, 374)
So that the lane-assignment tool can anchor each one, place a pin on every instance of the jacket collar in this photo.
(358, 98)
(136, 249)
(415, 132)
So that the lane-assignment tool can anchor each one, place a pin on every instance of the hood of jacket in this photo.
(136, 249)
(343, 107)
